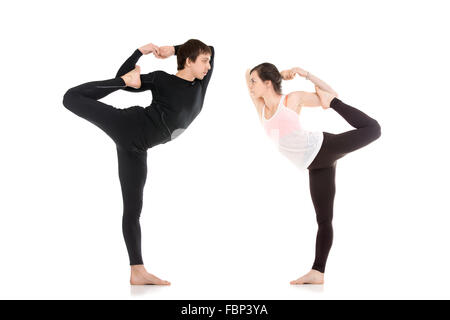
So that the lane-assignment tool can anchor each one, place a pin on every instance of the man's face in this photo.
(201, 66)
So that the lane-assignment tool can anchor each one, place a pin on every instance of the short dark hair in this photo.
(268, 71)
(191, 49)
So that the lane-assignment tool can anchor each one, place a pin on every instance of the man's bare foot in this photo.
(140, 276)
(325, 97)
(133, 78)
(312, 277)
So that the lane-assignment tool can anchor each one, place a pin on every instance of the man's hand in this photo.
(164, 52)
(149, 48)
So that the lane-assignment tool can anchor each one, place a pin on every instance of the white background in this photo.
(225, 216)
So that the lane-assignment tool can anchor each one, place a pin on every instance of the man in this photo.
(177, 100)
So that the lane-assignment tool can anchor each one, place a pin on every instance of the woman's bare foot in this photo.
(133, 78)
(325, 97)
(140, 276)
(312, 277)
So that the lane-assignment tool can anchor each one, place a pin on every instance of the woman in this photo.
(177, 100)
(316, 151)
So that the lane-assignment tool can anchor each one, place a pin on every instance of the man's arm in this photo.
(129, 64)
(205, 80)
(147, 80)
(166, 51)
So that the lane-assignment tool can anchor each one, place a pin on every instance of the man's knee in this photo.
(70, 98)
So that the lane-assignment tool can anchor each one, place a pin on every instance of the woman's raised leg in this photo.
(366, 130)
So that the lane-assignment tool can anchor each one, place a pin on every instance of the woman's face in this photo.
(257, 87)
(201, 66)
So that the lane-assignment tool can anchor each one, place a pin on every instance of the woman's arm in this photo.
(298, 99)
(308, 76)
(304, 99)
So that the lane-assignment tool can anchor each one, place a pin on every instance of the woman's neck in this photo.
(271, 100)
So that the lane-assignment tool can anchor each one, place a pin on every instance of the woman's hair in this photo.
(267, 71)
(191, 49)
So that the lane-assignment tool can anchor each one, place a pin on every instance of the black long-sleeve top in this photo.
(177, 100)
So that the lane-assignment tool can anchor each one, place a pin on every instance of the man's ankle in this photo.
(124, 78)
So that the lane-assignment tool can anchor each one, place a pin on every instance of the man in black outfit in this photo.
(177, 100)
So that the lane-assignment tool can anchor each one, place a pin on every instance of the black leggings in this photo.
(322, 171)
(133, 130)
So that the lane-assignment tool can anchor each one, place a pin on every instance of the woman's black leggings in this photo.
(133, 131)
(322, 171)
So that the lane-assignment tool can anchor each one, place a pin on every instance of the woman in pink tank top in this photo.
(316, 151)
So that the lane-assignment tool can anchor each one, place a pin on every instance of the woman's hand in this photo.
(164, 52)
(300, 72)
(288, 74)
(149, 48)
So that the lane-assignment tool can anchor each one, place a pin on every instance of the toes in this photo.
(298, 281)
(159, 281)
(163, 282)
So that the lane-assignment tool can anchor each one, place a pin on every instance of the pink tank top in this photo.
(284, 127)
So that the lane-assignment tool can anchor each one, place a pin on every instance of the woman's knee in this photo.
(325, 223)
(376, 130)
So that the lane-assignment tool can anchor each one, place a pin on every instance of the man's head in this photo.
(195, 55)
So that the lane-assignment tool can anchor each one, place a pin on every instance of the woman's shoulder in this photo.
(293, 101)
(292, 97)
